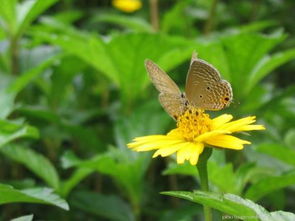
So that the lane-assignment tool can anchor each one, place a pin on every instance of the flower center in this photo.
(193, 123)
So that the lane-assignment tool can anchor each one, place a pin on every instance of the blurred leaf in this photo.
(278, 151)
(173, 25)
(29, 10)
(181, 169)
(243, 52)
(34, 195)
(110, 207)
(234, 205)
(223, 177)
(134, 23)
(23, 80)
(71, 182)
(8, 14)
(18, 16)
(268, 64)
(184, 212)
(269, 184)
(6, 102)
(24, 218)
(290, 138)
(35, 162)
(10, 131)
(122, 58)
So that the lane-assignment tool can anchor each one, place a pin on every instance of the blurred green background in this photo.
(74, 91)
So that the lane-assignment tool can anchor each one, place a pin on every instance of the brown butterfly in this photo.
(204, 88)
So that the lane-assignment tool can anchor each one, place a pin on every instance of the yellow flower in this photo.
(127, 5)
(194, 130)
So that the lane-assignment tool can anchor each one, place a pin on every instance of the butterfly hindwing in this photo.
(204, 87)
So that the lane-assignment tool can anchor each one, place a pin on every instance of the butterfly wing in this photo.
(204, 87)
(170, 96)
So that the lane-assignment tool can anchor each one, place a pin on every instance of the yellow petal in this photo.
(222, 119)
(205, 136)
(235, 125)
(190, 151)
(156, 145)
(166, 151)
(127, 5)
(250, 127)
(195, 155)
(227, 141)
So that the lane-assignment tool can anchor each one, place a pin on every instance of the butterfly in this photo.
(204, 88)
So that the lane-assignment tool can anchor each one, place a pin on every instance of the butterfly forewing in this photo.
(204, 87)
(170, 96)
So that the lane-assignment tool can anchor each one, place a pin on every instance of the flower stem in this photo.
(203, 173)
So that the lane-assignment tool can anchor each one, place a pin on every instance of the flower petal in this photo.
(227, 141)
(203, 137)
(250, 127)
(191, 152)
(166, 151)
(154, 145)
(237, 124)
(222, 119)
(195, 155)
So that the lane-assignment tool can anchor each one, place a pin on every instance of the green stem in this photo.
(13, 50)
(203, 173)
(210, 21)
(154, 14)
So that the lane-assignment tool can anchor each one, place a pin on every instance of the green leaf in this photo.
(10, 131)
(233, 205)
(122, 58)
(34, 195)
(70, 183)
(35, 162)
(8, 15)
(227, 203)
(182, 169)
(24, 218)
(6, 101)
(29, 10)
(133, 23)
(243, 52)
(23, 80)
(223, 177)
(269, 184)
(108, 206)
(268, 64)
(278, 151)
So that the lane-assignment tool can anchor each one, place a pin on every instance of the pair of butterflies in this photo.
(204, 88)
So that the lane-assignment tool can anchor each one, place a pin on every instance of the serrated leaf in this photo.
(34, 161)
(221, 202)
(270, 184)
(34, 195)
(24, 218)
(233, 205)
(121, 59)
